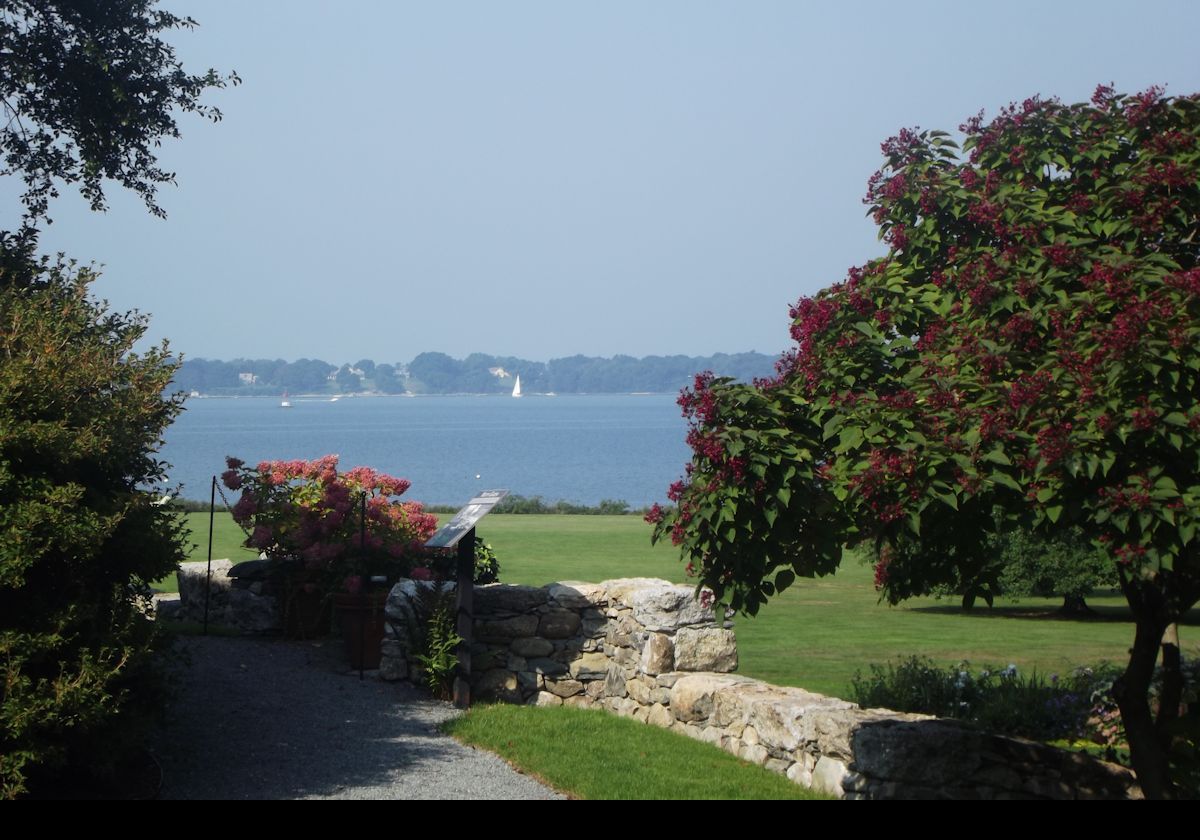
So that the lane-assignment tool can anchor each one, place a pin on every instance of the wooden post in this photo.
(466, 618)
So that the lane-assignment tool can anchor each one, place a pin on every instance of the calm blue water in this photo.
(577, 448)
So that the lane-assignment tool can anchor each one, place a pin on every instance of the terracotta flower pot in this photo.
(362, 619)
(306, 613)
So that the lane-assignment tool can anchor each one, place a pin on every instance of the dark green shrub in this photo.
(998, 700)
(487, 566)
(80, 534)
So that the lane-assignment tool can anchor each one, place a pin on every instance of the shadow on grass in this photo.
(1100, 613)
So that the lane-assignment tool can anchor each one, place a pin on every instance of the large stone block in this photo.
(660, 715)
(573, 595)
(251, 613)
(754, 753)
(639, 691)
(166, 606)
(506, 629)
(527, 682)
(508, 598)
(930, 753)
(564, 688)
(192, 579)
(547, 667)
(827, 775)
(692, 696)
(627, 658)
(590, 666)
(658, 605)
(790, 719)
(532, 647)
(496, 684)
(402, 607)
(614, 682)
(705, 649)
(558, 624)
(658, 654)
(622, 631)
(800, 774)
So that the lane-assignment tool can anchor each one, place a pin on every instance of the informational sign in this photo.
(449, 534)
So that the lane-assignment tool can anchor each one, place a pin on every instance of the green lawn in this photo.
(818, 633)
(624, 759)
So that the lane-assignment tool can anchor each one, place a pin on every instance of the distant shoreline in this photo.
(478, 374)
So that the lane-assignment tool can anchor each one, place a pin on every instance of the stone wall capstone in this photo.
(647, 649)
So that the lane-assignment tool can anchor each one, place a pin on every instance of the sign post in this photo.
(459, 533)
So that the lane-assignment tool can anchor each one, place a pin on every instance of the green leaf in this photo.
(997, 456)
(1165, 482)
(832, 425)
(1007, 480)
(849, 438)
(914, 522)
(1054, 512)
(784, 579)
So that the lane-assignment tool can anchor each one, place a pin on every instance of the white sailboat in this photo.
(286, 403)
(517, 387)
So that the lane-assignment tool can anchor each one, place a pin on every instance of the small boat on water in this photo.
(286, 403)
(517, 387)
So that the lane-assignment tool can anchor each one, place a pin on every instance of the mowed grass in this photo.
(818, 633)
(624, 759)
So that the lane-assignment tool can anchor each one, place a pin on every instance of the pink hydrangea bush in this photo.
(308, 512)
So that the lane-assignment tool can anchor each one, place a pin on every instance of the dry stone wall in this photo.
(646, 649)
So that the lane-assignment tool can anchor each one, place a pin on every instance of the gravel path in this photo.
(270, 719)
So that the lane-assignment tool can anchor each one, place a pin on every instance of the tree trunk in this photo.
(1131, 691)
(1172, 683)
(1075, 605)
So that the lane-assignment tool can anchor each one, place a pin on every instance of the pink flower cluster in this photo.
(306, 509)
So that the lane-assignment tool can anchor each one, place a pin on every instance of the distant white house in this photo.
(247, 378)
(500, 373)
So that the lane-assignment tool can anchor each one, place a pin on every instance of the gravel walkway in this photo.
(270, 719)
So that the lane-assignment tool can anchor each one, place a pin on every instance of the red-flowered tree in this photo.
(1026, 354)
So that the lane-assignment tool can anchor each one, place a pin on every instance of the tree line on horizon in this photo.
(478, 373)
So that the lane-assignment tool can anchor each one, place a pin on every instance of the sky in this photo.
(542, 179)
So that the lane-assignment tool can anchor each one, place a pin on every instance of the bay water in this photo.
(577, 448)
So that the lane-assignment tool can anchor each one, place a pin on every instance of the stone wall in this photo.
(242, 603)
(646, 649)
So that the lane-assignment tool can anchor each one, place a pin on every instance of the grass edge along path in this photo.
(591, 754)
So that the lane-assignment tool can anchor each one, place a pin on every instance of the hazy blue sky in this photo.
(544, 179)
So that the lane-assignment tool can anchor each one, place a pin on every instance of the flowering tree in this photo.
(306, 510)
(1026, 354)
